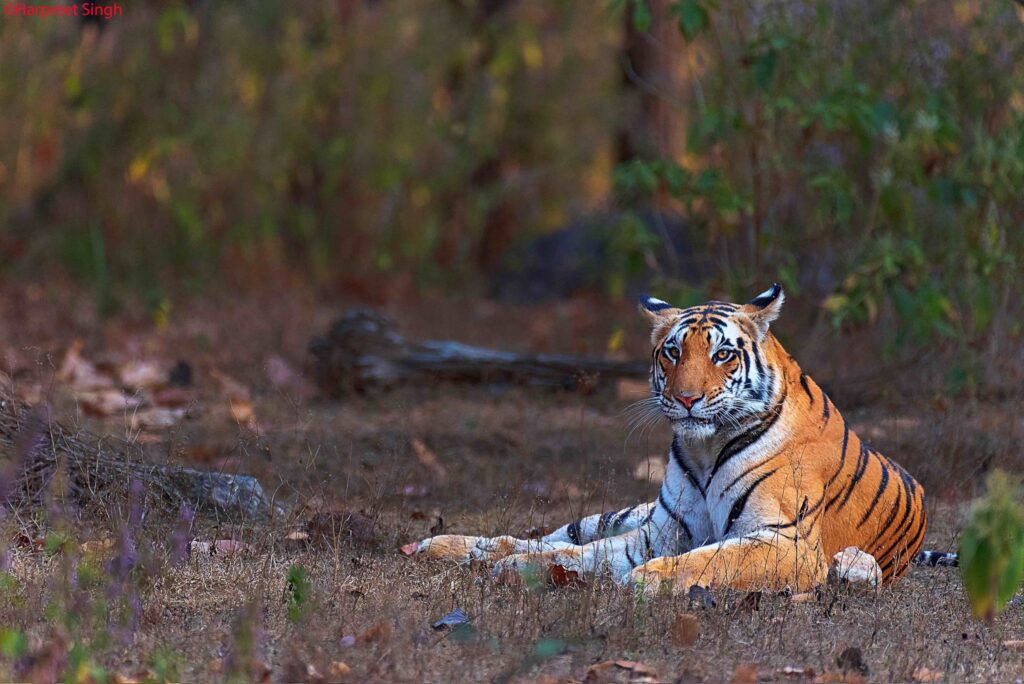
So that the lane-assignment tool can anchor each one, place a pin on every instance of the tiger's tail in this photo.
(934, 558)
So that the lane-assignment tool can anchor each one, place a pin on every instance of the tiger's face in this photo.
(709, 368)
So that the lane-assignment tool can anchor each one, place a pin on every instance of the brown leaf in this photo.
(923, 674)
(141, 375)
(80, 374)
(1014, 644)
(609, 670)
(172, 397)
(746, 673)
(380, 633)
(241, 410)
(840, 678)
(685, 629)
(156, 418)
(429, 459)
(101, 403)
(560, 577)
(337, 670)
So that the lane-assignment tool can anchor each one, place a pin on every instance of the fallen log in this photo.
(362, 350)
(41, 460)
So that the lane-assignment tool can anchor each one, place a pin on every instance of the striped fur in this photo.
(765, 479)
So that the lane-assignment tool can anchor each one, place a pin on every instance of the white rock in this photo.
(855, 566)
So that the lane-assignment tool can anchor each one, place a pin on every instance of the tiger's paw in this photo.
(462, 548)
(454, 547)
(657, 576)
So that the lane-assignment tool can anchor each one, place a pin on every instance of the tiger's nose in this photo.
(688, 399)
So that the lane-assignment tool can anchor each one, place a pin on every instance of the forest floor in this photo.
(415, 461)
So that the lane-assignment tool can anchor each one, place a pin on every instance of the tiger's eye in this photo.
(723, 355)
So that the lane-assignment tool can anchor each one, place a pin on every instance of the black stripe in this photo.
(892, 516)
(842, 464)
(757, 357)
(900, 532)
(743, 475)
(803, 383)
(741, 501)
(602, 522)
(622, 516)
(675, 516)
(862, 465)
(748, 438)
(878, 495)
(572, 531)
(908, 550)
(677, 455)
(647, 543)
(824, 410)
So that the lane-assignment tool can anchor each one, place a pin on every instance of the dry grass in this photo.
(512, 460)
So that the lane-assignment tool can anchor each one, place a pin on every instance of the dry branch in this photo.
(362, 351)
(39, 457)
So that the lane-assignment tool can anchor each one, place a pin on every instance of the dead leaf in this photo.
(746, 673)
(379, 633)
(560, 577)
(806, 597)
(608, 670)
(685, 629)
(156, 418)
(80, 374)
(923, 674)
(337, 669)
(102, 403)
(313, 674)
(651, 469)
(839, 678)
(1014, 644)
(429, 459)
(241, 410)
(172, 397)
(142, 375)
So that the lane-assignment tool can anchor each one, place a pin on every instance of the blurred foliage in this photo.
(342, 139)
(992, 547)
(869, 151)
(866, 153)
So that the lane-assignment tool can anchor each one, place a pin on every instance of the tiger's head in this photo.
(710, 366)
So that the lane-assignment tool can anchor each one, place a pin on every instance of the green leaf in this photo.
(641, 16)
(299, 590)
(13, 644)
(693, 18)
(763, 68)
(992, 547)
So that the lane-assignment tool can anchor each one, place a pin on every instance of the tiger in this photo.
(765, 480)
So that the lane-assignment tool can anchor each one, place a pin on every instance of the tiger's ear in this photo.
(659, 313)
(765, 308)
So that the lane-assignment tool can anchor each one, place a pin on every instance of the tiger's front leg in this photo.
(617, 556)
(762, 560)
(463, 549)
